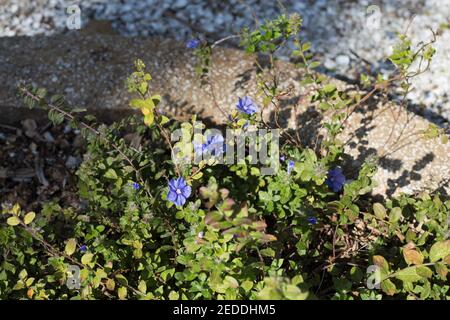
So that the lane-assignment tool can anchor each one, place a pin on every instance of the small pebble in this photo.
(72, 162)
(343, 60)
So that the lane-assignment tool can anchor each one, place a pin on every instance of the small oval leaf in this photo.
(122, 293)
(71, 245)
(379, 210)
(13, 221)
(439, 250)
(87, 258)
(29, 217)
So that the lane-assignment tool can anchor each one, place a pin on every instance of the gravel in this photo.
(349, 36)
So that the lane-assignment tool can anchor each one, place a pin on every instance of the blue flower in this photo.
(199, 148)
(312, 220)
(214, 145)
(282, 158)
(290, 166)
(179, 191)
(83, 248)
(247, 106)
(335, 179)
(192, 44)
(135, 185)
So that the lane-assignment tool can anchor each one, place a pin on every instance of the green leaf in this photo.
(70, 246)
(19, 285)
(197, 176)
(329, 88)
(90, 117)
(137, 253)
(122, 293)
(87, 258)
(29, 217)
(29, 282)
(55, 117)
(41, 92)
(156, 99)
(395, 215)
(137, 103)
(379, 210)
(231, 282)
(424, 271)
(13, 221)
(439, 250)
(441, 270)
(173, 295)
(142, 287)
(247, 285)
(122, 280)
(166, 273)
(306, 46)
(111, 174)
(325, 106)
(147, 104)
(164, 120)
(23, 274)
(16, 209)
(388, 287)
(314, 64)
(149, 118)
(254, 171)
(268, 252)
(110, 284)
(426, 291)
(293, 292)
(408, 275)
(101, 274)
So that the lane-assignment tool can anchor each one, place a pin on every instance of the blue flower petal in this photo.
(192, 44)
(312, 220)
(178, 183)
(186, 191)
(172, 195)
(290, 166)
(335, 179)
(179, 191)
(246, 105)
(136, 186)
(198, 148)
(180, 200)
(214, 145)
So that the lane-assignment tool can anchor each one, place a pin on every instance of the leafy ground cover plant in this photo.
(158, 225)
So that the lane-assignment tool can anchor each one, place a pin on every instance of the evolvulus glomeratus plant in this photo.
(182, 219)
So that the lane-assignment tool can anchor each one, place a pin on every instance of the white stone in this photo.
(343, 60)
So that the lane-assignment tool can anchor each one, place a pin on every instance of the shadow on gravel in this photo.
(408, 176)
